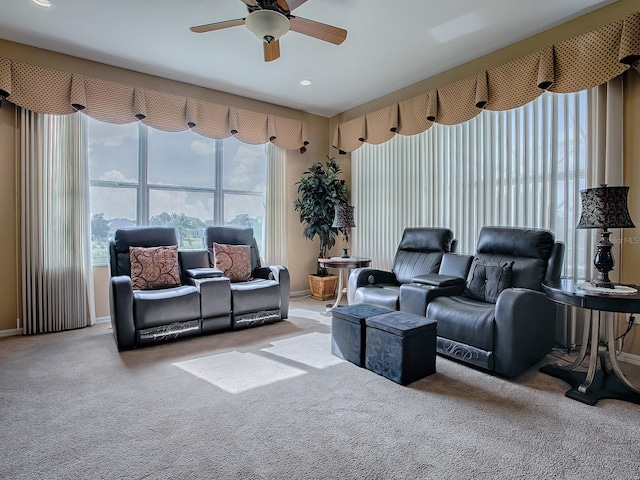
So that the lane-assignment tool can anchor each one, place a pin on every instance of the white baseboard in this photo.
(300, 293)
(10, 333)
(629, 358)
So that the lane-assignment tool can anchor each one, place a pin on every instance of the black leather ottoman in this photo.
(401, 346)
(348, 330)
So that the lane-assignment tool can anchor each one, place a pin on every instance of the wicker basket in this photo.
(323, 288)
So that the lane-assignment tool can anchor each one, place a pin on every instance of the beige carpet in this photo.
(273, 403)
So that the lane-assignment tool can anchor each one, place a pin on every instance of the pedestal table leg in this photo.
(613, 359)
(593, 356)
(586, 330)
(340, 287)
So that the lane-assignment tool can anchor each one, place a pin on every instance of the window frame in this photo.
(143, 187)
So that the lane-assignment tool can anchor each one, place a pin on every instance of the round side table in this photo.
(608, 381)
(343, 264)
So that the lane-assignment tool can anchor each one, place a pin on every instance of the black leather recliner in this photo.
(264, 298)
(142, 317)
(505, 330)
(419, 252)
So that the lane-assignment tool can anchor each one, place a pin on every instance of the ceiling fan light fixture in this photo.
(42, 3)
(267, 25)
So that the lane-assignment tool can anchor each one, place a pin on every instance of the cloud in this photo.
(116, 176)
(203, 148)
(121, 203)
(249, 168)
(111, 135)
(114, 202)
(114, 141)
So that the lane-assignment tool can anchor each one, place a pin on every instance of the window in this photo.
(522, 167)
(142, 176)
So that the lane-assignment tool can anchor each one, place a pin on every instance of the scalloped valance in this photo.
(45, 90)
(577, 64)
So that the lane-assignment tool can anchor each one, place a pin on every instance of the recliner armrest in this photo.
(215, 296)
(415, 297)
(525, 330)
(437, 280)
(200, 273)
(280, 274)
(121, 304)
(368, 276)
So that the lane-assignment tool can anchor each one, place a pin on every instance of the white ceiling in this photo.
(390, 44)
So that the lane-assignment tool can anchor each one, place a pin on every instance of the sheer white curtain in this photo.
(276, 207)
(522, 167)
(57, 279)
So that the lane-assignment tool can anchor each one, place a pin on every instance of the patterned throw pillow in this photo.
(233, 260)
(486, 280)
(154, 267)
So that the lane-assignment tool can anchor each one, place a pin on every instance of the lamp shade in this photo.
(605, 207)
(344, 216)
(267, 25)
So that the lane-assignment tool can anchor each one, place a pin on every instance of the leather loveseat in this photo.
(497, 317)
(159, 292)
(153, 297)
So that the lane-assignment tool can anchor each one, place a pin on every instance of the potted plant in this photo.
(319, 191)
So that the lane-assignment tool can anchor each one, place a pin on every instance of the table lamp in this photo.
(604, 207)
(343, 220)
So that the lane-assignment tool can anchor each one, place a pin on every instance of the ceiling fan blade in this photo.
(251, 3)
(209, 27)
(271, 51)
(318, 30)
(289, 5)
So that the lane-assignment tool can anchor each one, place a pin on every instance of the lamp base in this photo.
(596, 282)
(603, 261)
(345, 253)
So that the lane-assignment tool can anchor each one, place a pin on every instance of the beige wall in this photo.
(629, 262)
(101, 290)
(630, 267)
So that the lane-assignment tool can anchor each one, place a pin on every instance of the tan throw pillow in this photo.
(233, 260)
(154, 267)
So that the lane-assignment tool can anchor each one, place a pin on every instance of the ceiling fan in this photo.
(270, 19)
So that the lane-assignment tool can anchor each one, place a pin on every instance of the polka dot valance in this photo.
(577, 64)
(45, 90)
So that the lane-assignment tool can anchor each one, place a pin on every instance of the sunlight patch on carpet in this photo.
(237, 372)
(310, 314)
(313, 349)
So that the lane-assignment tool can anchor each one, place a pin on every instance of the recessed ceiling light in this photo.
(305, 82)
(42, 3)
